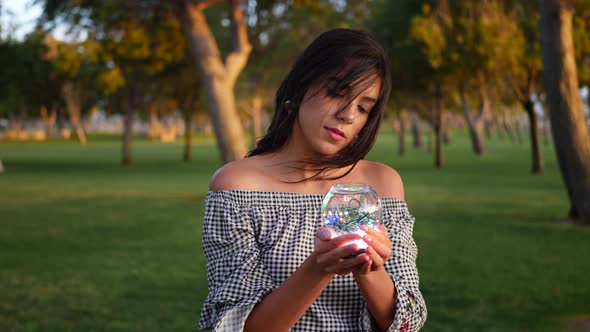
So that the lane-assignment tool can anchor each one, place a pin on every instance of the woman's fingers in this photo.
(337, 254)
(379, 248)
(383, 249)
(367, 263)
(376, 259)
(343, 261)
(378, 240)
(326, 242)
(347, 265)
(379, 233)
(324, 234)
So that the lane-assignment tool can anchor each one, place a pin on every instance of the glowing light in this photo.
(348, 206)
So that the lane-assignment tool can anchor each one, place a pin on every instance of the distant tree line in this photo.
(469, 63)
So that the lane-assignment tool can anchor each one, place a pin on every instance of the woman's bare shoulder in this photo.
(241, 174)
(384, 179)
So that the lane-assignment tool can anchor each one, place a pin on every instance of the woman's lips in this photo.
(335, 133)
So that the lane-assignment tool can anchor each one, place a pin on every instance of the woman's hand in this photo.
(378, 250)
(333, 254)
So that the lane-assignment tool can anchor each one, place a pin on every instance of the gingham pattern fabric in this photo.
(254, 241)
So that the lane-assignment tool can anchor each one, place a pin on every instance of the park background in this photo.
(114, 115)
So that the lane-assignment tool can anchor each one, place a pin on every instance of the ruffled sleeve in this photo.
(410, 308)
(237, 279)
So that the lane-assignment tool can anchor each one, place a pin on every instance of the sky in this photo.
(24, 15)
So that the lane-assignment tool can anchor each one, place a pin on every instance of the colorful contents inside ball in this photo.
(348, 206)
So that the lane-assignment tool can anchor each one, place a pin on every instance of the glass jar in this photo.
(348, 206)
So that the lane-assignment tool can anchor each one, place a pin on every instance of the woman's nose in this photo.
(347, 113)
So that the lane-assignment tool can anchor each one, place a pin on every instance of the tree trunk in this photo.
(402, 118)
(520, 130)
(546, 128)
(568, 123)
(500, 125)
(475, 124)
(60, 121)
(509, 127)
(126, 159)
(71, 93)
(488, 128)
(525, 98)
(537, 158)
(188, 120)
(446, 135)
(395, 125)
(49, 119)
(155, 125)
(416, 130)
(256, 116)
(438, 126)
(218, 78)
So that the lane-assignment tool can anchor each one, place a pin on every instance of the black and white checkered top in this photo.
(255, 240)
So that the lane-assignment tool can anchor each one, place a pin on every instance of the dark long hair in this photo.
(354, 58)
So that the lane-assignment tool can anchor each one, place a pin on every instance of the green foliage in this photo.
(27, 79)
(492, 43)
(469, 41)
(392, 22)
(432, 35)
(128, 39)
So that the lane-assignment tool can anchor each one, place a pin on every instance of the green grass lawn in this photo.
(87, 245)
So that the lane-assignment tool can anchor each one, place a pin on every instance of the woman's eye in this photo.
(363, 110)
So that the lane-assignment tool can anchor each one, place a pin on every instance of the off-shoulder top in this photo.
(253, 241)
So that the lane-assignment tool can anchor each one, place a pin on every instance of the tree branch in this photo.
(237, 59)
(483, 106)
(466, 107)
(206, 4)
(201, 40)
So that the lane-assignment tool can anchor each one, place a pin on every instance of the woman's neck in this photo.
(293, 167)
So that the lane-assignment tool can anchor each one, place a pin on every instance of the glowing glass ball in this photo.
(348, 206)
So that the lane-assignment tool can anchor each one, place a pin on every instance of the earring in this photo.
(288, 106)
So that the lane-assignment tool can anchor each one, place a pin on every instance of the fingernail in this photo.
(324, 234)
(367, 239)
(364, 227)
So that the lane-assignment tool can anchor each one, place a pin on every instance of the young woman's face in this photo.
(330, 120)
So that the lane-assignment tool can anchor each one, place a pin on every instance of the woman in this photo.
(270, 264)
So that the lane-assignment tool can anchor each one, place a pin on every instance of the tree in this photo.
(75, 71)
(568, 122)
(428, 31)
(418, 78)
(470, 41)
(179, 83)
(135, 40)
(524, 75)
(28, 83)
(141, 43)
(218, 78)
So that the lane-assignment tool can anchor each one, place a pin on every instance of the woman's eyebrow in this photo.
(371, 99)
